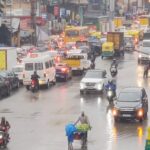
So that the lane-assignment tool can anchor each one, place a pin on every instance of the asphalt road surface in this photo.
(38, 119)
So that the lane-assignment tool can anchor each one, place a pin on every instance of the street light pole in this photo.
(33, 21)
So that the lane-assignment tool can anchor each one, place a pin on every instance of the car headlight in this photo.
(99, 86)
(140, 113)
(140, 55)
(82, 85)
(109, 93)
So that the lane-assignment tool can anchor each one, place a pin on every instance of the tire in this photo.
(116, 119)
(81, 92)
(141, 120)
(47, 85)
(66, 78)
(18, 85)
(8, 92)
(28, 87)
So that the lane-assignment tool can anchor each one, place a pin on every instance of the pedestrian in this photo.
(146, 69)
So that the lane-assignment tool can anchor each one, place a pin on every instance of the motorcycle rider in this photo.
(111, 85)
(5, 126)
(114, 63)
(35, 77)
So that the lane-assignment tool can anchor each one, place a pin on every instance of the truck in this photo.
(8, 58)
(117, 38)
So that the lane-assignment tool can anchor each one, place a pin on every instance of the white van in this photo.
(18, 70)
(44, 65)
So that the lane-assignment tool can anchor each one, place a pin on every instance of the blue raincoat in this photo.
(70, 129)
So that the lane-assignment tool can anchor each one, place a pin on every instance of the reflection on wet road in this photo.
(38, 119)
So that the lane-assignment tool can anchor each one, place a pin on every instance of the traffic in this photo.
(80, 71)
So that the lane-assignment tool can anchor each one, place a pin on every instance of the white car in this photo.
(94, 80)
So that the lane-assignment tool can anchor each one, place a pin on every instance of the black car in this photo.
(11, 78)
(4, 87)
(132, 103)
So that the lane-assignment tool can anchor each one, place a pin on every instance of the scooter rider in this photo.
(114, 63)
(111, 85)
(5, 126)
(35, 77)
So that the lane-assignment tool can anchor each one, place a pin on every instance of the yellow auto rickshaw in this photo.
(107, 49)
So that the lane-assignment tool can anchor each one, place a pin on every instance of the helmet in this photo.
(3, 120)
(35, 72)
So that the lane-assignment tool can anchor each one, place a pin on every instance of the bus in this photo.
(76, 34)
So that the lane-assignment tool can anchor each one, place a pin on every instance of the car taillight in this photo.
(64, 69)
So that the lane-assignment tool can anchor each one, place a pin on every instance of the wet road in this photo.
(38, 120)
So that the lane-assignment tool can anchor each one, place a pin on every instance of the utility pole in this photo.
(33, 21)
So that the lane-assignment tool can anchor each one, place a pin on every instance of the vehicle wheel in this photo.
(116, 119)
(145, 115)
(81, 92)
(48, 84)
(141, 120)
(66, 78)
(139, 62)
(27, 87)
(54, 81)
(8, 91)
(18, 85)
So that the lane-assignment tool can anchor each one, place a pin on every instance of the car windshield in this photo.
(146, 44)
(3, 74)
(94, 74)
(129, 96)
(17, 69)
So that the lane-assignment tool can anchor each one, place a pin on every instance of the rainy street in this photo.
(38, 119)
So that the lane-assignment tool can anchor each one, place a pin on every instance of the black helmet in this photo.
(3, 120)
(35, 72)
(82, 113)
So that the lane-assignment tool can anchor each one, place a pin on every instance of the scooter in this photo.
(4, 139)
(113, 71)
(34, 86)
(110, 95)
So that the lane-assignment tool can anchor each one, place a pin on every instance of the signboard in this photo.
(56, 10)
(3, 59)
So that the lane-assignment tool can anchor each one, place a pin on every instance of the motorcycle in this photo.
(34, 86)
(110, 95)
(113, 71)
(4, 139)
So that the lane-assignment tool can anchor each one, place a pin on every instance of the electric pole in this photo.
(33, 21)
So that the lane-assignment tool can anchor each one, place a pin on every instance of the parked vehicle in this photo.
(94, 80)
(11, 78)
(4, 87)
(44, 65)
(129, 43)
(63, 71)
(18, 70)
(131, 103)
(8, 58)
(144, 52)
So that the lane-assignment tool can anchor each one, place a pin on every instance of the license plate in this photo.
(126, 115)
